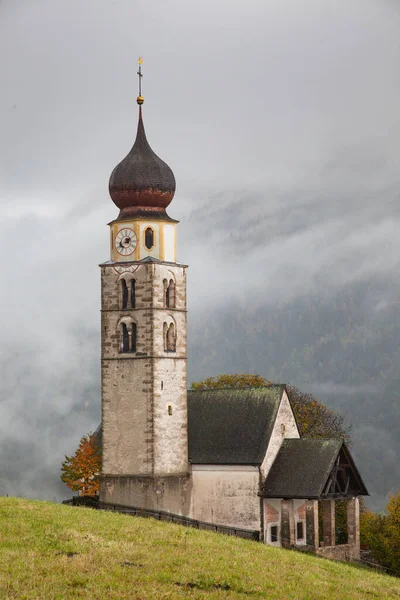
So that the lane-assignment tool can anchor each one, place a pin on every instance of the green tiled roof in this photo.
(303, 466)
(233, 425)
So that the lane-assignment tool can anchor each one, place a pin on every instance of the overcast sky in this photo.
(280, 120)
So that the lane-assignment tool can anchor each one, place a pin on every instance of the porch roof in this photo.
(313, 469)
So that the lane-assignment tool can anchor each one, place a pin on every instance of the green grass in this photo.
(50, 551)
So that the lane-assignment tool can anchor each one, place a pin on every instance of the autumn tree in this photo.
(381, 533)
(315, 420)
(239, 380)
(81, 471)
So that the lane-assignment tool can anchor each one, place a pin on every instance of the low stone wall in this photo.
(342, 552)
(171, 494)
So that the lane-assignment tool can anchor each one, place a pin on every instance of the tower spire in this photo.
(140, 98)
(142, 183)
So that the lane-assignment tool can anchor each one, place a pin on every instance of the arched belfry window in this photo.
(169, 337)
(128, 336)
(124, 338)
(165, 335)
(133, 293)
(133, 341)
(165, 283)
(171, 340)
(149, 238)
(124, 294)
(169, 293)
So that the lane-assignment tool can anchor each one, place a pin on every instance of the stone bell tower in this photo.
(143, 337)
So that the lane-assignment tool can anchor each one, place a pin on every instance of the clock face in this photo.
(125, 242)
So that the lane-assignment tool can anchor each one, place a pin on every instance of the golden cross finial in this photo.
(140, 98)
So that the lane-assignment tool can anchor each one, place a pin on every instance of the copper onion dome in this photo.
(142, 184)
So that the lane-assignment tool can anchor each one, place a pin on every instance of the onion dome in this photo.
(142, 184)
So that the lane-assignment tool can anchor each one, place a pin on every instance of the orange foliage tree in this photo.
(81, 471)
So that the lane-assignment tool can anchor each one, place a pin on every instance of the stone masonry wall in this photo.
(144, 411)
(170, 416)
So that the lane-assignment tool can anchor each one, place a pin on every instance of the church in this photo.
(225, 456)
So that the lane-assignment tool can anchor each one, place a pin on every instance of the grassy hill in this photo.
(50, 551)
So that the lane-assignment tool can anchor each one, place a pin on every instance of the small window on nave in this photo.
(274, 533)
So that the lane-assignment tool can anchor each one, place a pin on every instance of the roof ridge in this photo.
(247, 387)
(310, 439)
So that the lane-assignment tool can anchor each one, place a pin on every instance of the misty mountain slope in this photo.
(47, 402)
(344, 348)
(299, 287)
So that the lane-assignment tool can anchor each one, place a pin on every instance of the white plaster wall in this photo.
(164, 240)
(285, 427)
(169, 242)
(226, 495)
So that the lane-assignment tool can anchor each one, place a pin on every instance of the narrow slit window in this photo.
(274, 533)
(124, 294)
(169, 409)
(300, 530)
(133, 337)
(125, 338)
(149, 238)
(133, 293)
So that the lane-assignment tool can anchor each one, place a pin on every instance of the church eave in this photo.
(160, 216)
(146, 260)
